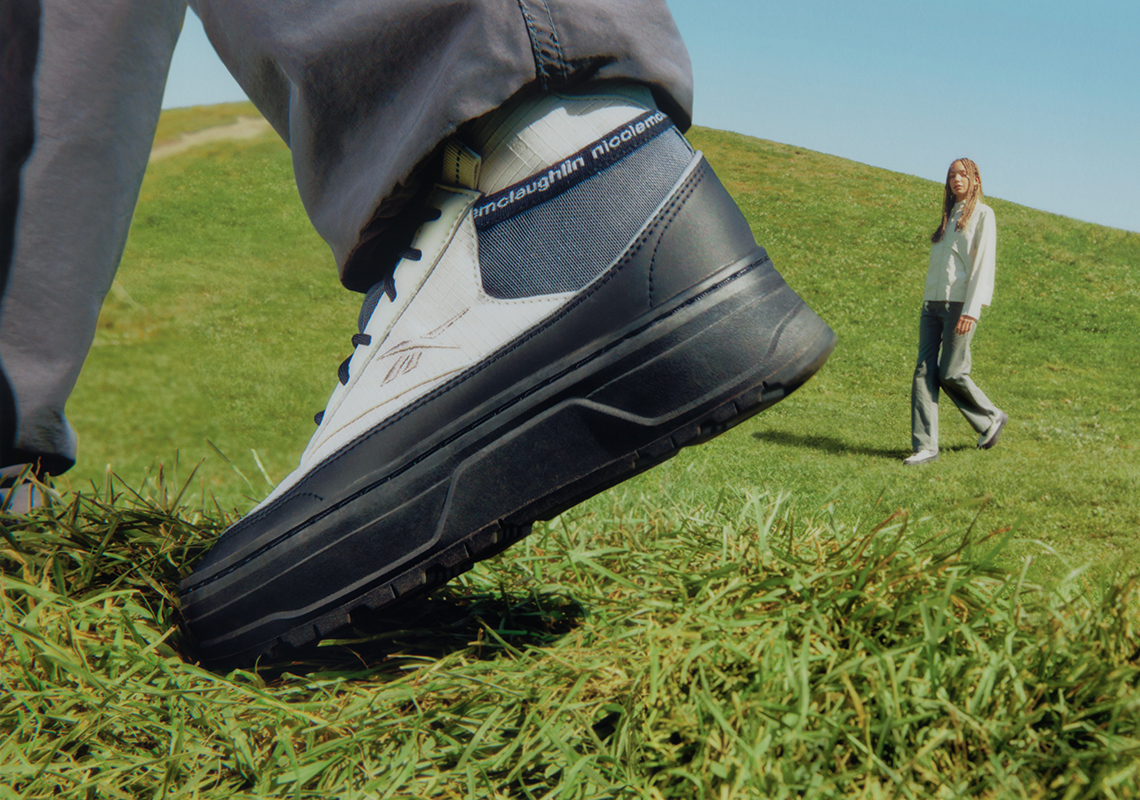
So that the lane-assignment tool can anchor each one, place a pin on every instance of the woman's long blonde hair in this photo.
(948, 199)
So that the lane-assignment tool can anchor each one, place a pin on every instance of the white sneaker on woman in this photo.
(921, 457)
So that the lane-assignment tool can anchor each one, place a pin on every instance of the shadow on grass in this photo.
(483, 625)
(833, 446)
(827, 444)
(82, 546)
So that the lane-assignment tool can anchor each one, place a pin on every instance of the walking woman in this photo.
(959, 282)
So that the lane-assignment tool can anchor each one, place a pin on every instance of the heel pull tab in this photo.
(461, 165)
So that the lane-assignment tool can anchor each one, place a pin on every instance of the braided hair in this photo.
(948, 199)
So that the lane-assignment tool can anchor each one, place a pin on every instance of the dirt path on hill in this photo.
(241, 128)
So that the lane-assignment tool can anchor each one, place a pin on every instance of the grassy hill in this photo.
(786, 611)
(226, 324)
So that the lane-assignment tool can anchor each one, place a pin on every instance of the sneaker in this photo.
(20, 492)
(990, 437)
(921, 457)
(582, 300)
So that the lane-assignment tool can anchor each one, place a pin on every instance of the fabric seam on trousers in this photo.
(545, 46)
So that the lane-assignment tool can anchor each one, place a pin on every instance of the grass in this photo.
(628, 649)
(1055, 351)
(226, 289)
(785, 611)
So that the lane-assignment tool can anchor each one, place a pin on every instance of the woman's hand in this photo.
(965, 324)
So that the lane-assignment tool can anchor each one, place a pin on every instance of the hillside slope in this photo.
(226, 324)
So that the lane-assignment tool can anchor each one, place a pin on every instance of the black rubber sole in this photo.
(728, 349)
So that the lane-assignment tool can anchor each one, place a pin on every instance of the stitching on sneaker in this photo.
(677, 203)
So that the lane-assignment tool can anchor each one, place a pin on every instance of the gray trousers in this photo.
(362, 91)
(944, 363)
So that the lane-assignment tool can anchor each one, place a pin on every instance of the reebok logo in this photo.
(405, 356)
(588, 161)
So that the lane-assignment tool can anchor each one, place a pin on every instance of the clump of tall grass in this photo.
(620, 651)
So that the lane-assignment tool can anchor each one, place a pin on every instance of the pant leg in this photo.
(924, 389)
(364, 90)
(954, 372)
(95, 91)
(19, 51)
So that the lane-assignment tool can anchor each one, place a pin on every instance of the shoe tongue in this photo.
(524, 137)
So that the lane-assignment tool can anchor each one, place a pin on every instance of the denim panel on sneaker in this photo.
(569, 240)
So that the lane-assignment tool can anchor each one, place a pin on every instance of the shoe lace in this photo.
(386, 287)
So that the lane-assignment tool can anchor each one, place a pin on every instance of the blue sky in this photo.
(1044, 96)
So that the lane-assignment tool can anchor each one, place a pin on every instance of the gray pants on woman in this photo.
(944, 362)
(362, 91)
